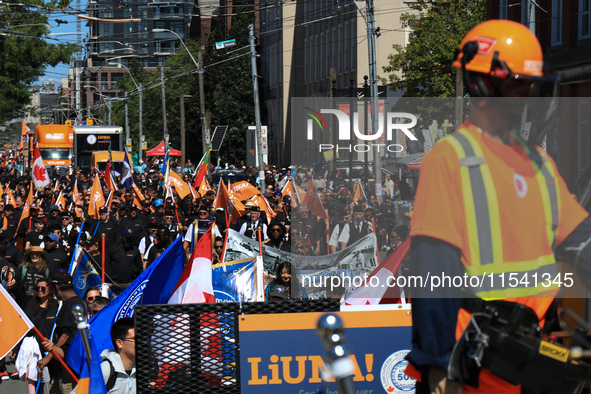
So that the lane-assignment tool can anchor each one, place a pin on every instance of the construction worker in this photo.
(489, 201)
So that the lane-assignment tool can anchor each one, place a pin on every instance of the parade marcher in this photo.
(286, 275)
(276, 237)
(134, 222)
(356, 229)
(249, 228)
(500, 206)
(57, 259)
(105, 225)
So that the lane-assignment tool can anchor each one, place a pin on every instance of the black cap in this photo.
(126, 232)
(279, 292)
(61, 278)
(103, 210)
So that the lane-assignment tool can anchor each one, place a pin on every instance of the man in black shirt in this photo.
(56, 257)
(106, 226)
(35, 237)
(134, 222)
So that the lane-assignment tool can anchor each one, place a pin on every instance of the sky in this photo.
(58, 35)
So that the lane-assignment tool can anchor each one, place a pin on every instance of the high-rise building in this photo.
(304, 45)
(122, 30)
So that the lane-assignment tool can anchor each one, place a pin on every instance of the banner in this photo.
(319, 275)
(281, 353)
(234, 281)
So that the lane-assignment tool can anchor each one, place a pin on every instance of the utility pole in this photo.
(257, 108)
(140, 122)
(165, 128)
(127, 132)
(183, 132)
(332, 165)
(373, 88)
(204, 130)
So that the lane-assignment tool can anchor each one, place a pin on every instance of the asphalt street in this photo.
(12, 386)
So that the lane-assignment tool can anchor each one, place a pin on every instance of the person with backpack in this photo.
(118, 364)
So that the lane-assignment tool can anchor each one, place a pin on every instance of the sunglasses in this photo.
(41, 288)
(90, 298)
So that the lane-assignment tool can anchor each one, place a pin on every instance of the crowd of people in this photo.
(38, 239)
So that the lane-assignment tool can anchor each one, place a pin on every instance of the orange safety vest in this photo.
(505, 208)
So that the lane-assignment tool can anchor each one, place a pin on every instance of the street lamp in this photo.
(204, 130)
(119, 65)
(180, 39)
(127, 131)
(183, 135)
(107, 99)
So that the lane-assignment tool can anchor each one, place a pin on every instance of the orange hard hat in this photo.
(501, 42)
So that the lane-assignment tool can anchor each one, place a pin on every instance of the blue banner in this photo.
(86, 274)
(234, 282)
(153, 286)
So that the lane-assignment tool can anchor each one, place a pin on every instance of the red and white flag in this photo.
(381, 291)
(195, 285)
(39, 174)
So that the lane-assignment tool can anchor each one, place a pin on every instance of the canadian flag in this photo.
(39, 174)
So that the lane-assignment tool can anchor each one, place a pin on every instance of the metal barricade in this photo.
(195, 348)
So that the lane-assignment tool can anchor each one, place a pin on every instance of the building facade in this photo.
(306, 45)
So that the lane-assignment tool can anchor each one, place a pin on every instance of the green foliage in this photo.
(24, 54)
(425, 63)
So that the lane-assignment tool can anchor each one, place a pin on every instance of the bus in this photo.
(56, 144)
(89, 139)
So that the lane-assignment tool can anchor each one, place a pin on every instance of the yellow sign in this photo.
(553, 351)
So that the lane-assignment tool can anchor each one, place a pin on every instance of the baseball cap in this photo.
(34, 206)
(126, 232)
(279, 292)
(52, 238)
(61, 278)
(54, 208)
(103, 210)
(278, 193)
(158, 203)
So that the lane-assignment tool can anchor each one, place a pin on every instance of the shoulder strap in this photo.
(110, 383)
(24, 272)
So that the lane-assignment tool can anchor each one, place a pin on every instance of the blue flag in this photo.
(154, 285)
(86, 274)
(126, 179)
(91, 379)
(234, 282)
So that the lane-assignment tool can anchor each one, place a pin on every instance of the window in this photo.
(584, 18)
(556, 22)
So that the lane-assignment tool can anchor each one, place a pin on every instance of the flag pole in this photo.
(373, 225)
(43, 339)
(76, 246)
(259, 231)
(103, 260)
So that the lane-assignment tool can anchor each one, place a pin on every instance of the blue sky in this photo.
(56, 73)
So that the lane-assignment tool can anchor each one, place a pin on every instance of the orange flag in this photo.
(288, 190)
(76, 194)
(61, 202)
(14, 324)
(9, 196)
(230, 203)
(244, 190)
(262, 203)
(358, 195)
(313, 202)
(204, 187)
(139, 197)
(181, 187)
(97, 199)
(300, 194)
(28, 203)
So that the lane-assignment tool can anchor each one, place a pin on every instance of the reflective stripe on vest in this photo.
(484, 227)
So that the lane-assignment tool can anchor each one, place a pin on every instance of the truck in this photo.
(89, 139)
(56, 143)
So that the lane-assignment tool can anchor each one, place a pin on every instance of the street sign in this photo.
(207, 136)
(129, 142)
(225, 44)
(143, 138)
(144, 145)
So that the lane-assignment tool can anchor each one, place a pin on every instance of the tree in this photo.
(24, 54)
(425, 63)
